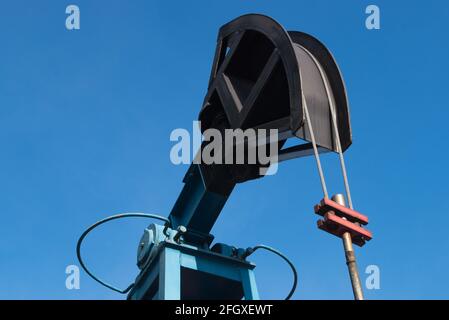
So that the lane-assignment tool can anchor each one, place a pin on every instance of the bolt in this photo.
(180, 231)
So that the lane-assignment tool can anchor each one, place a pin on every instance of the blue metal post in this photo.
(249, 285)
(170, 274)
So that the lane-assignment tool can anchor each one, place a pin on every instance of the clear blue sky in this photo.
(85, 119)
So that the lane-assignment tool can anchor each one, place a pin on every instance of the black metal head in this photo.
(260, 75)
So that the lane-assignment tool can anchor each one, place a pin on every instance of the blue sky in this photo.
(85, 119)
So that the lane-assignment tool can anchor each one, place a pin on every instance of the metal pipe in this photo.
(350, 256)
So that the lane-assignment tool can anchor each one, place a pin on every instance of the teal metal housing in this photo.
(184, 272)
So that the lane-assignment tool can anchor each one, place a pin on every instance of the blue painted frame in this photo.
(165, 268)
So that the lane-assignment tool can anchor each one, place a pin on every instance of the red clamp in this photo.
(339, 219)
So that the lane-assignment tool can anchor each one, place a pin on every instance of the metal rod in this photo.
(340, 153)
(315, 149)
(350, 256)
(339, 198)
